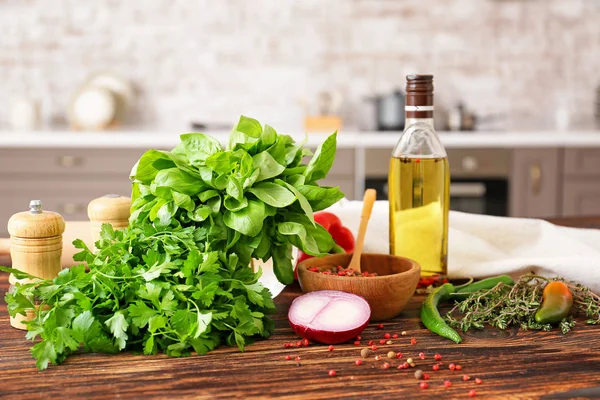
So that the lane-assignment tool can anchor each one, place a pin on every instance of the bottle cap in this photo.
(111, 207)
(419, 96)
(36, 223)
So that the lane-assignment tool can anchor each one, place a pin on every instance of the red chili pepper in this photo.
(341, 235)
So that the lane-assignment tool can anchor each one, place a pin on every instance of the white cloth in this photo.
(480, 246)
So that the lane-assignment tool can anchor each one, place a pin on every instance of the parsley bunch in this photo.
(177, 279)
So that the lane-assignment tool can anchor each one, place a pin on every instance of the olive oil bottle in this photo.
(419, 184)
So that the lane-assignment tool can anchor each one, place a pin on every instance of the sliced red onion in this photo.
(329, 316)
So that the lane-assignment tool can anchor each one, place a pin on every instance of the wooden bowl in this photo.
(387, 294)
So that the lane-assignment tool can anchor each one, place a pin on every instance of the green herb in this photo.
(515, 305)
(177, 279)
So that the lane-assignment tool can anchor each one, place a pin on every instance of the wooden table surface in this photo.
(512, 364)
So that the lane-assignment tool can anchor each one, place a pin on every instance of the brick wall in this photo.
(212, 60)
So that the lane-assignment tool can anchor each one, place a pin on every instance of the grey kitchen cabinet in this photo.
(581, 177)
(535, 183)
(66, 180)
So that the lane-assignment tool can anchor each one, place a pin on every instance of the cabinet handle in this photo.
(535, 174)
(69, 161)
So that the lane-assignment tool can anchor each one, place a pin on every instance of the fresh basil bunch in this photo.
(255, 198)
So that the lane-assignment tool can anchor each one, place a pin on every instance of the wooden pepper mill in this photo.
(35, 247)
(110, 209)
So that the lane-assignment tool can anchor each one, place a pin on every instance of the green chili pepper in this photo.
(430, 316)
(462, 292)
(556, 303)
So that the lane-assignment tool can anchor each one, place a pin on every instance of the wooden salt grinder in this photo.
(110, 209)
(35, 247)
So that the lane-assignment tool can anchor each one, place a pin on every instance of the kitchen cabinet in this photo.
(535, 183)
(581, 177)
(67, 179)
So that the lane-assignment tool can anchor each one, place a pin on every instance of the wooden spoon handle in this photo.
(4, 247)
(368, 201)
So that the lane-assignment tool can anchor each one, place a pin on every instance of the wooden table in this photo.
(512, 364)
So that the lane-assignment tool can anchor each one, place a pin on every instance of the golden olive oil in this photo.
(419, 196)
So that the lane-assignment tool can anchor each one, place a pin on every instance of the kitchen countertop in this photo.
(511, 363)
(346, 139)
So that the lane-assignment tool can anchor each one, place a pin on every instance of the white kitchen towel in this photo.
(480, 246)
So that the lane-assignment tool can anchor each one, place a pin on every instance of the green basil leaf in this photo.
(249, 181)
(165, 214)
(321, 163)
(278, 151)
(200, 213)
(221, 181)
(145, 170)
(322, 238)
(282, 263)
(234, 189)
(297, 180)
(183, 201)
(179, 181)
(248, 221)
(273, 194)
(214, 204)
(206, 174)
(221, 162)
(263, 251)
(269, 167)
(208, 194)
(154, 211)
(304, 204)
(249, 126)
(268, 137)
(235, 205)
(198, 147)
(299, 237)
(321, 197)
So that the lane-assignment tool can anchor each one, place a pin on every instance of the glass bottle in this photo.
(419, 184)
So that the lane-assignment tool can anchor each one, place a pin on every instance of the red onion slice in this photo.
(329, 316)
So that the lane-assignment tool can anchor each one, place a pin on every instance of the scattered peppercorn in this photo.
(458, 367)
(418, 374)
(382, 341)
(341, 271)
(357, 343)
(478, 381)
(299, 343)
(472, 393)
(330, 348)
(395, 336)
(379, 326)
(398, 355)
(332, 372)
(305, 342)
(370, 342)
(358, 362)
(378, 358)
(286, 345)
(437, 357)
(391, 354)
(358, 337)
(423, 385)
(435, 367)
(389, 342)
(451, 367)
(385, 366)
(426, 376)
(374, 347)
(422, 356)
(297, 358)
(386, 336)
(288, 358)
(466, 378)
(447, 383)
(413, 341)
(298, 364)
(403, 333)
(365, 352)
(405, 365)
(409, 360)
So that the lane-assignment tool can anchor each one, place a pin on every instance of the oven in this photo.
(478, 179)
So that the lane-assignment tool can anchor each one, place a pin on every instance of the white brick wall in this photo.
(212, 60)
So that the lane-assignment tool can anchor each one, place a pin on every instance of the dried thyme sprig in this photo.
(504, 306)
